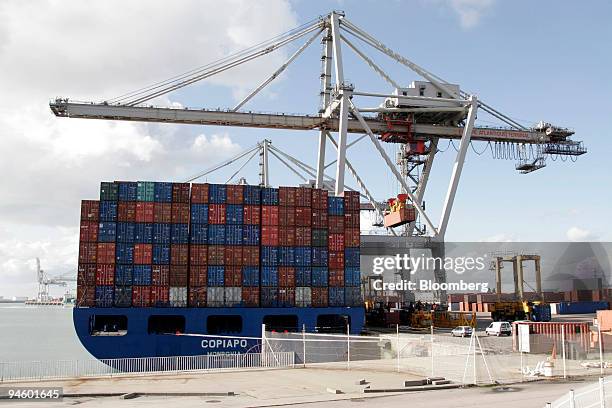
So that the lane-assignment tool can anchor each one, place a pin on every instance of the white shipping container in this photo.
(178, 296)
(233, 296)
(215, 297)
(303, 297)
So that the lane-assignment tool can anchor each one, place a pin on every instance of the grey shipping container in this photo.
(303, 296)
(215, 297)
(178, 296)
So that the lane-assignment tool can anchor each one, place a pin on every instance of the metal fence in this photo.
(65, 369)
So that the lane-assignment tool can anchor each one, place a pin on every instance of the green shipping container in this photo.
(145, 191)
(109, 191)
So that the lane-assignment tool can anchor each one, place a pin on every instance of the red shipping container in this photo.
(336, 277)
(89, 231)
(180, 213)
(303, 236)
(180, 192)
(199, 193)
(250, 297)
(351, 201)
(233, 276)
(303, 197)
(88, 252)
(286, 276)
(319, 218)
(197, 296)
(269, 215)
(105, 274)
(160, 296)
(198, 254)
(233, 256)
(286, 216)
(336, 224)
(235, 194)
(216, 255)
(160, 275)
(86, 295)
(162, 212)
(216, 213)
(250, 256)
(143, 254)
(286, 236)
(126, 211)
(90, 210)
(198, 275)
(286, 296)
(178, 275)
(336, 259)
(286, 196)
(106, 253)
(270, 235)
(252, 215)
(86, 275)
(144, 211)
(319, 297)
(303, 216)
(335, 242)
(179, 255)
(352, 237)
(141, 296)
(319, 199)
(351, 220)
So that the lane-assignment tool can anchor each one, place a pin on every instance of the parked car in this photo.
(499, 329)
(462, 331)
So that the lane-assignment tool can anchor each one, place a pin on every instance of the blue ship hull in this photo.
(138, 340)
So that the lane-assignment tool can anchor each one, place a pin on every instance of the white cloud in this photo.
(501, 237)
(579, 234)
(469, 12)
(93, 51)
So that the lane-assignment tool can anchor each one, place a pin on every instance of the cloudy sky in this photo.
(533, 61)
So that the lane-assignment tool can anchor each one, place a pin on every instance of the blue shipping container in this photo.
(123, 275)
(180, 234)
(303, 256)
(286, 256)
(319, 256)
(250, 276)
(128, 191)
(216, 234)
(126, 232)
(251, 235)
(107, 232)
(269, 255)
(123, 296)
(352, 297)
(269, 196)
(335, 205)
(217, 193)
(199, 213)
(336, 296)
(108, 211)
(252, 195)
(142, 275)
(161, 233)
(104, 296)
(581, 307)
(143, 233)
(161, 254)
(352, 276)
(198, 234)
(303, 276)
(216, 276)
(233, 234)
(351, 257)
(269, 297)
(124, 254)
(234, 214)
(162, 192)
(269, 276)
(319, 277)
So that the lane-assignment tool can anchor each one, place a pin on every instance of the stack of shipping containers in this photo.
(210, 245)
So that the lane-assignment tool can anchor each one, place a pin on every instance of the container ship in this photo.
(158, 260)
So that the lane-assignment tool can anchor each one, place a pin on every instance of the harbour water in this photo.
(31, 333)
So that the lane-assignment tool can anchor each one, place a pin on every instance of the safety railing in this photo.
(65, 369)
(596, 395)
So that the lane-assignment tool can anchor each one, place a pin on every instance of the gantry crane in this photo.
(45, 281)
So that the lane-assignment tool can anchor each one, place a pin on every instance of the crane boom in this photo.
(65, 108)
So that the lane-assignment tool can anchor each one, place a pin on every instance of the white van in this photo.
(499, 329)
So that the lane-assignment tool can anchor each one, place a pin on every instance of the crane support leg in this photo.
(326, 98)
(458, 167)
(344, 106)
